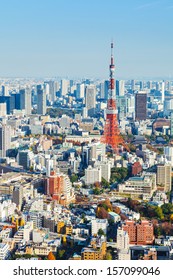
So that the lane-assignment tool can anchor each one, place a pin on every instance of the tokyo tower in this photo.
(111, 135)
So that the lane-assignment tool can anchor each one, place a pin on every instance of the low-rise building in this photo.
(97, 224)
(140, 186)
(4, 251)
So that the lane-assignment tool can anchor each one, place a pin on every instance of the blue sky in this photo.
(71, 38)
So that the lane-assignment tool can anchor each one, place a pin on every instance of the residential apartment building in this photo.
(139, 233)
(164, 178)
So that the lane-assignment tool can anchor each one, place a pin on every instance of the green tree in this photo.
(101, 232)
(108, 256)
(96, 191)
(105, 183)
(74, 178)
(60, 254)
(167, 208)
(159, 213)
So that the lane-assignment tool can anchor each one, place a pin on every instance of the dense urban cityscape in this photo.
(86, 169)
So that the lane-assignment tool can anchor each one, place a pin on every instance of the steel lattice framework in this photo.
(111, 135)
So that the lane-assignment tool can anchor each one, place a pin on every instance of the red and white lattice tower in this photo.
(111, 135)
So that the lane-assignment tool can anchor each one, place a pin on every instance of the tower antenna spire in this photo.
(111, 135)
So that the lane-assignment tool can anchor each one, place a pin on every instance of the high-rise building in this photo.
(25, 100)
(139, 233)
(90, 99)
(5, 140)
(60, 188)
(3, 109)
(164, 176)
(133, 85)
(149, 84)
(130, 106)
(41, 102)
(104, 90)
(80, 90)
(56, 87)
(163, 91)
(171, 128)
(24, 158)
(122, 239)
(5, 90)
(17, 196)
(141, 85)
(64, 87)
(10, 102)
(53, 87)
(120, 88)
(140, 106)
(93, 175)
(105, 169)
(49, 222)
(122, 107)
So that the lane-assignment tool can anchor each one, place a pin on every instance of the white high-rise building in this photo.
(49, 166)
(85, 112)
(64, 87)
(122, 239)
(92, 175)
(105, 169)
(3, 109)
(168, 152)
(80, 91)
(120, 88)
(130, 108)
(163, 91)
(5, 139)
(53, 87)
(123, 245)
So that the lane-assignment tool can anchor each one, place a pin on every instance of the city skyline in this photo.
(72, 39)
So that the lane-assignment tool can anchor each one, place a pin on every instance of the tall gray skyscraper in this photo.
(41, 102)
(53, 88)
(5, 139)
(141, 106)
(25, 100)
(17, 196)
(90, 99)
